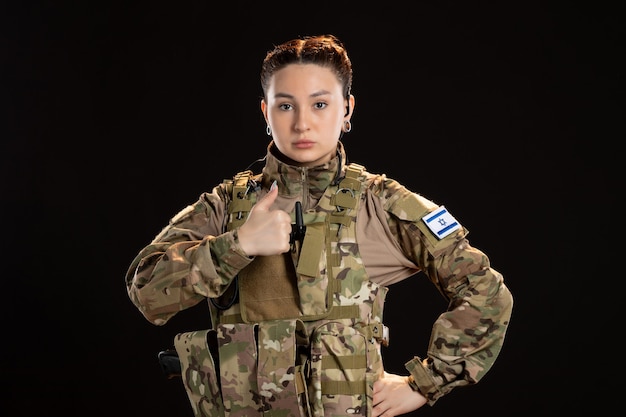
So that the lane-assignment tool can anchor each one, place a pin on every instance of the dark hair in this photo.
(323, 50)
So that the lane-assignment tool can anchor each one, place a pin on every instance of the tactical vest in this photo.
(304, 337)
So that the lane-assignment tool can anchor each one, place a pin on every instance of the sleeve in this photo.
(466, 338)
(190, 260)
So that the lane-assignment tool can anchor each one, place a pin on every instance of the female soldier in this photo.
(296, 259)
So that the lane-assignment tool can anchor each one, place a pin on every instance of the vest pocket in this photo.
(313, 286)
(219, 370)
(243, 369)
(199, 372)
(282, 367)
(344, 366)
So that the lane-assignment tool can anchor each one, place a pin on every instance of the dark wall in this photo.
(117, 115)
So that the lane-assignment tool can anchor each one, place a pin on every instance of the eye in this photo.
(320, 105)
(285, 106)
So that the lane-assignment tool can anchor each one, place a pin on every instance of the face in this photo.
(305, 109)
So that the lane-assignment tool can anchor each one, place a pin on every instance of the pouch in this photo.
(199, 372)
(261, 368)
(344, 366)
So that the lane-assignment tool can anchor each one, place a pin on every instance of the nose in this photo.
(302, 121)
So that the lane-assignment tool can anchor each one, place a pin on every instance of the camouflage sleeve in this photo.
(468, 336)
(190, 260)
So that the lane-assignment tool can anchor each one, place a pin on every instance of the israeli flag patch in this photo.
(441, 223)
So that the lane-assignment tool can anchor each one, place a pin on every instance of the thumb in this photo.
(268, 199)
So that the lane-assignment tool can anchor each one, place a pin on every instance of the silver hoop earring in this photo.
(347, 126)
(268, 130)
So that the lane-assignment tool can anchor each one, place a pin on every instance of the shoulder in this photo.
(396, 198)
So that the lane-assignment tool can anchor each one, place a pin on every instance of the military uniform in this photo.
(301, 334)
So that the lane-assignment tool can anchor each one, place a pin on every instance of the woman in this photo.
(296, 258)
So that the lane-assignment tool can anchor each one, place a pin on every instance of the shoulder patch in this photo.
(441, 222)
(403, 203)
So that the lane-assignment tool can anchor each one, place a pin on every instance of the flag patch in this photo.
(441, 223)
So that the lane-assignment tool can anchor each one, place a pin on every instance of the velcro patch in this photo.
(441, 223)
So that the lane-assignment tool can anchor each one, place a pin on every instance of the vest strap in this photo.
(240, 206)
(343, 387)
(343, 363)
(336, 313)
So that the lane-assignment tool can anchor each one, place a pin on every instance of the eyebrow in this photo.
(316, 94)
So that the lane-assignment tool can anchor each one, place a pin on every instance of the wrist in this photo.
(238, 243)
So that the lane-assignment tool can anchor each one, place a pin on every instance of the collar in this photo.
(295, 179)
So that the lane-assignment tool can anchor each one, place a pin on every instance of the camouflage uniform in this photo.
(304, 334)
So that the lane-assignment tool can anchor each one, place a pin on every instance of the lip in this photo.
(303, 144)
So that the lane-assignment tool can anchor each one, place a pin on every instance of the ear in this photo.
(264, 110)
(350, 102)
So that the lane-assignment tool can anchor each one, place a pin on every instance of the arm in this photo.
(190, 259)
(466, 338)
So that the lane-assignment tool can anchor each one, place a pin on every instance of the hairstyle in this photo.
(324, 50)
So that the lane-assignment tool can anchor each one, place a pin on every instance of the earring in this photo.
(268, 130)
(347, 126)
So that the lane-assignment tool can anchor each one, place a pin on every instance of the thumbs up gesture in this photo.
(266, 232)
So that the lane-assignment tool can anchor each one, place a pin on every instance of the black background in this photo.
(115, 115)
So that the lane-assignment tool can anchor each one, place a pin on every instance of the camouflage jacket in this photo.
(196, 257)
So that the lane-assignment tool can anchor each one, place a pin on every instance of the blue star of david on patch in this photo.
(441, 222)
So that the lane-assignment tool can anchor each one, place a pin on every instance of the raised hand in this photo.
(266, 232)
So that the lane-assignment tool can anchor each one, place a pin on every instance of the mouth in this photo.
(303, 144)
